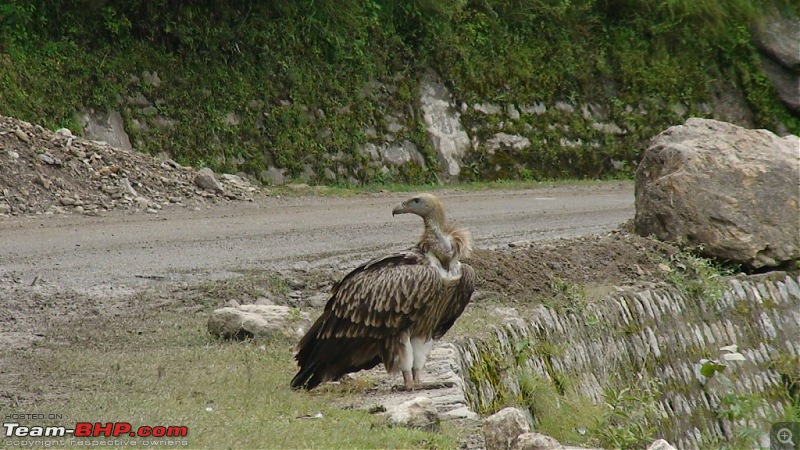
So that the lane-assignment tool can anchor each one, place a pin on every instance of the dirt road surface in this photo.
(119, 250)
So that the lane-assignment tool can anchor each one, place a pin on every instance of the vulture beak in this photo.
(400, 208)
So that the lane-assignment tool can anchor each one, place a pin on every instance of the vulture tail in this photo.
(308, 377)
(325, 359)
(306, 357)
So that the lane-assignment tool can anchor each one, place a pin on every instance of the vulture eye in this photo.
(415, 201)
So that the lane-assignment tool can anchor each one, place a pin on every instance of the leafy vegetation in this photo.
(698, 277)
(631, 415)
(242, 86)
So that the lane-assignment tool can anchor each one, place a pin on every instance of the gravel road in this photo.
(181, 245)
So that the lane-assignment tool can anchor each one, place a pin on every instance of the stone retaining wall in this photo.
(660, 335)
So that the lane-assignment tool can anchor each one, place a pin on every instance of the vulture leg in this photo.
(408, 382)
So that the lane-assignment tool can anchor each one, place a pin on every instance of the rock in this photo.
(513, 141)
(251, 321)
(235, 180)
(565, 107)
(786, 83)
(107, 127)
(501, 429)
(444, 126)
(205, 179)
(371, 150)
(44, 182)
(660, 444)
(65, 132)
(728, 104)
(608, 128)
(45, 158)
(151, 78)
(487, 108)
(777, 37)
(273, 176)
(536, 441)
(730, 191)
(401, 154)
(127, 188)
(21, 135)
(138, 100)
(394, 125)
(317, 300)
(296, 284)
(536, 108)
(108, 170)
(419, 412)
(12, 154)
(462, 412)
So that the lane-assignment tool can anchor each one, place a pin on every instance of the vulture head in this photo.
(448, 243)
(427, 206)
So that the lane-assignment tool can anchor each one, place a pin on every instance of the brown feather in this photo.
(376, 308)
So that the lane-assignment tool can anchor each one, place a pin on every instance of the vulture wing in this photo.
(369, 307)
(459, 295)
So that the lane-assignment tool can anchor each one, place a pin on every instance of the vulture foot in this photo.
(423, 386)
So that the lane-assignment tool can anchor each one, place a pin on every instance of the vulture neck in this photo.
(435, 239)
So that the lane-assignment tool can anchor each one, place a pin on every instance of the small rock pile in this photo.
(44, 172)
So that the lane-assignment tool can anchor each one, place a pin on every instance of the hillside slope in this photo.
(329, 92)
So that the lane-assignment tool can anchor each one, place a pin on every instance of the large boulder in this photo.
(500, 430)
(729, 191)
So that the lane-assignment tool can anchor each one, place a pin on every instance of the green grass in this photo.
(567, 418)
(473, 186)
(163, 369)
(698, 277)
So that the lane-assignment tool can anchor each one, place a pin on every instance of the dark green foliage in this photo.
(295, 75)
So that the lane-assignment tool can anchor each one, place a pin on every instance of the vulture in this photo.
(390, 309)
